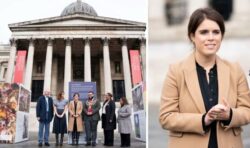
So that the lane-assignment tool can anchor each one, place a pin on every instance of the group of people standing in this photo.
(83, 117)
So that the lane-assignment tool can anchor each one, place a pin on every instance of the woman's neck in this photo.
(207, 62)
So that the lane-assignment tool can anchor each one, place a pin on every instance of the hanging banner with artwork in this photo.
(139, 112)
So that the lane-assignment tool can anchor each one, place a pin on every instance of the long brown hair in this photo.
(110, 95)
(60, 96)
(124, 100)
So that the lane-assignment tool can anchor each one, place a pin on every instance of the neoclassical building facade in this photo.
(78, 45)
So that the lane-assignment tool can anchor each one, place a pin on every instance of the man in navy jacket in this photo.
(44, 114)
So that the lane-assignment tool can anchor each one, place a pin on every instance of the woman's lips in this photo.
(210, 46)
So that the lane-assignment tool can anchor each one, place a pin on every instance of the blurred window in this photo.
(224, 7)
(39, 67)
(175, 11)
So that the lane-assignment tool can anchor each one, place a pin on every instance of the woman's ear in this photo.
(192, 37)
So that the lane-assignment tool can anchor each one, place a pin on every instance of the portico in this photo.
(76, 46)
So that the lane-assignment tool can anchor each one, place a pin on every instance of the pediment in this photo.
(75, 20)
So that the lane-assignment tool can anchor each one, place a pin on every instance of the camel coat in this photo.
(182, 105)
(79, 122)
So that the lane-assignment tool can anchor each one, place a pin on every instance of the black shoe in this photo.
(93, 143)
(57, 144)
(73, 142)
(61, 142)
(40, 144)
(47, 144)
(87, 144)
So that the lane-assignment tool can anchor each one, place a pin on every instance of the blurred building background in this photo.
(168, 43)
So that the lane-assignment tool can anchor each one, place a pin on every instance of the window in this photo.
(175, 11)
(4, 72)
(224, 7)
(118, 89)
(39, 67)
(118, 67)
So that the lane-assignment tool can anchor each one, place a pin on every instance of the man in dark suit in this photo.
(91, 109)
(44, 114)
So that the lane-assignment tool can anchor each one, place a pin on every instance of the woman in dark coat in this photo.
(108, 120)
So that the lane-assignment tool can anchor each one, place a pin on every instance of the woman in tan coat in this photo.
(205, 100)
(75, 119)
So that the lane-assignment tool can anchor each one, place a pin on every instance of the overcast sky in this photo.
(14, 11)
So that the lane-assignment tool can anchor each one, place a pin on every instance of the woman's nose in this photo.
(210, 36)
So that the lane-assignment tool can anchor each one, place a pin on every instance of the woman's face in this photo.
(107, 97)
(121, 102)
(207, 38)
(76, 97)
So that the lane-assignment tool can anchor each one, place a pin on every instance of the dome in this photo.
(79, 7)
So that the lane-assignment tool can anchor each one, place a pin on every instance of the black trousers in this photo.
(75, 133)
(125, 139)
(109, 137)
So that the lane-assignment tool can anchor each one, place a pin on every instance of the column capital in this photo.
(142, 40)
(124, 41)
(105, 41)
(50, 41)
(31, 40)
(68, 41)
(87, 40)
(13, 41)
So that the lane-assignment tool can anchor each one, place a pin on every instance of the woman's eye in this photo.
(203, 31)
(216, 32)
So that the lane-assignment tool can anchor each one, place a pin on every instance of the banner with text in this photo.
(82, 88)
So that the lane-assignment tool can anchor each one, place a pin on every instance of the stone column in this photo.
(48, 66)
(143, 57)
(126, 70)
(54, 77)
(29, 66)
(11, 62)
(107, 69)
(67, 68)
(87, 61)
(1, 71)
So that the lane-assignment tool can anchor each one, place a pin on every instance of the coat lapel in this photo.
(192, 82)
(223, 75)
(73, 105)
